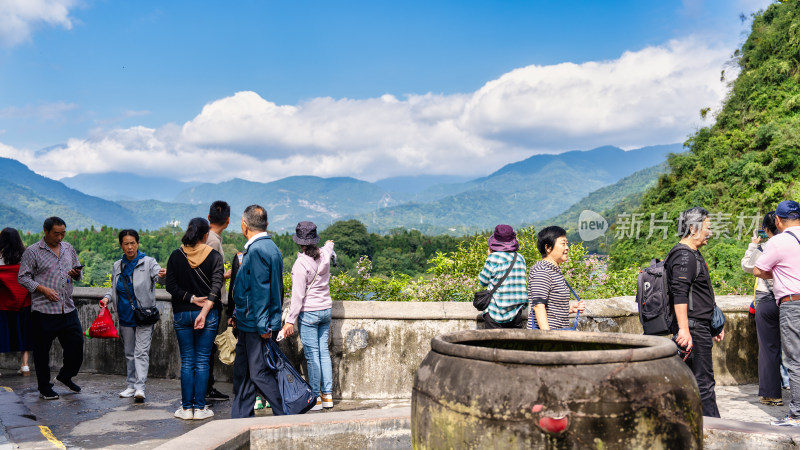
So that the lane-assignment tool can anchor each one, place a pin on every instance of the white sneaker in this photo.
(318, 406)
(185, 414)
(127, 393)
(205, 413)
(139, 395)
(327, 400)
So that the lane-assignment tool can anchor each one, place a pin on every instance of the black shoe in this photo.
(214, 394)
(48, 394)
(68, 383)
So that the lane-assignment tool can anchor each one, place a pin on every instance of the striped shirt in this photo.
(511, 296)
(41, 266)
(547, 285)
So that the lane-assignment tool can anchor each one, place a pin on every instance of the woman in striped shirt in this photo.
(547, 288)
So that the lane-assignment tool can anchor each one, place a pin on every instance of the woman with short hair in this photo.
(548, 291)
(194, 279)
(133, 285)
(15, 301)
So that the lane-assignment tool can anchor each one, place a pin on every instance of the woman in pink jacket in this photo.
(311, 304)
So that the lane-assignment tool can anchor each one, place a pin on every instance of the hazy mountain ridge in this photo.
(519, 193)
(524, 192)
(117, 186)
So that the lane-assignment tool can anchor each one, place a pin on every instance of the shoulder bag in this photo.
(483, 298)
(143, 316)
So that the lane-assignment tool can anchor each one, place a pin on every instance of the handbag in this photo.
(483, 298)
(142, 316)
(296, 395)
(717, 321)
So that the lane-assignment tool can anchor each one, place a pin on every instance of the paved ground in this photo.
(98, 418)
(741, 403)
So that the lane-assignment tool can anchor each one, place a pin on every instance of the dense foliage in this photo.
(400, 252)
(743, 165)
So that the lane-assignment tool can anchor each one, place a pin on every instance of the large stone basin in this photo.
(554, 389)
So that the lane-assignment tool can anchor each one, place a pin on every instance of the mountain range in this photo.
(524, 192)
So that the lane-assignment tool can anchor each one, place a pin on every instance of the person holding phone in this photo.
(767, 319)
(47, 270)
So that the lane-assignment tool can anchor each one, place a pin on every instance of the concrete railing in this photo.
(376, 347)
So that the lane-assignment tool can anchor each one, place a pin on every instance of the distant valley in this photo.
(525, 192)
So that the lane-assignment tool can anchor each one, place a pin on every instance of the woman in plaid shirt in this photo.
(510, 299)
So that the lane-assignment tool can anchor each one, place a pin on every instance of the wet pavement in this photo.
(98, 418)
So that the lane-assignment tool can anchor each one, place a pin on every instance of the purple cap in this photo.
(504, 239)
(306, 234)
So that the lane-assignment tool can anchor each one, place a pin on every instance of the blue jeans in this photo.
(195, 346)
(314, 328)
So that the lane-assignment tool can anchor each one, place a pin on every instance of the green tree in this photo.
(351, 237)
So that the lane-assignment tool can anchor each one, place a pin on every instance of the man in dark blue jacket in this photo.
(258, 292)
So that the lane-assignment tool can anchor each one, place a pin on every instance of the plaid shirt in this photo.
(41, 266)
(512, 295)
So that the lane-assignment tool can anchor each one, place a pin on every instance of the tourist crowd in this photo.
(37, 307)
(546, 293)
(36, 304)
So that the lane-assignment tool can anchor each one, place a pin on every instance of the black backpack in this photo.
(653, 298)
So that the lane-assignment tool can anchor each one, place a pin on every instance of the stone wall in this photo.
(377, 346)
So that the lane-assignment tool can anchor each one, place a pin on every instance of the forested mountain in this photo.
(519, 193)
(290, 200)
(127, 186)
(744, 164)
(609, 202)
(38, 197)
(524, 192)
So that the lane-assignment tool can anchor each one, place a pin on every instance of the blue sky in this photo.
(368, 89)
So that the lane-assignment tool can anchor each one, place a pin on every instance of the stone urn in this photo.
(554, 389)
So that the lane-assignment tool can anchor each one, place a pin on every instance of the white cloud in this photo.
(48, 111)
(650, 96)
(18, 17)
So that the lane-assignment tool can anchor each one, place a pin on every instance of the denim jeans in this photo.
(195, 347)
(314, 328)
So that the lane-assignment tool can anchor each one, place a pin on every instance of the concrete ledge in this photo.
(375, 428)
(732, 434)
(376, 347)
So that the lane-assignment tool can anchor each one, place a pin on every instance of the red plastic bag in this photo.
(103, 326)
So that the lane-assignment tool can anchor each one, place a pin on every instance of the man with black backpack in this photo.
(693, 301)
(781, 263)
